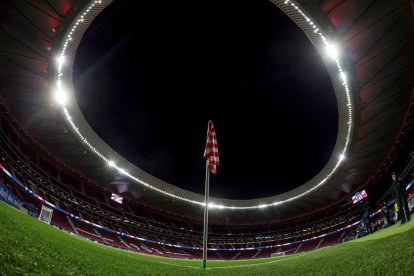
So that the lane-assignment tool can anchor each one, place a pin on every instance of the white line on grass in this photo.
(196, 267)
(144, 259)
(135, 255)
(274, 261)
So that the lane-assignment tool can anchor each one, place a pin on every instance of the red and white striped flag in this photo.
(211, 153)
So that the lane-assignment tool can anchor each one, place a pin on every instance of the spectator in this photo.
(367, 220)
(386, 213)
(398, 192)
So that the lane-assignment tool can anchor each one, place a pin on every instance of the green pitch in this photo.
(31, 247)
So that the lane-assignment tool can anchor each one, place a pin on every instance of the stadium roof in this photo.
(377, 50)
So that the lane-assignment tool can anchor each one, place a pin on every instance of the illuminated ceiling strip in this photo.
(61, 96)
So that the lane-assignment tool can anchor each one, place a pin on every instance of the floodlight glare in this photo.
(61, 97)
(60, 60)
(111, 163)
(341, 157)
(122, 171)
(332, 50)
(215, 206)
(343, 76)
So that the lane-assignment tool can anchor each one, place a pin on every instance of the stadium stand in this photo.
(92, 204)
(113, 216)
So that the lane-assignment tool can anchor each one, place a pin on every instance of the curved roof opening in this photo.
(148, 89)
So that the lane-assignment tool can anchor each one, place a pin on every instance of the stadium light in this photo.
(123, 171)
(343, 76)
(111, 163)
(60, 60)
(341, 157)
(332, 50)
(215, 206)
(61, 97)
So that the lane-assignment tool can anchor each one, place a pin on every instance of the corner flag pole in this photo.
(205, 229)
(212, 161)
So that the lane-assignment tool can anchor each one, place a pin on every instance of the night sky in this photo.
(149, 87)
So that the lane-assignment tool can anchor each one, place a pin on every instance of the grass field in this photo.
(31, 247)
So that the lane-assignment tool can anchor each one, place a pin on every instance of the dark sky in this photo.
(150, 74)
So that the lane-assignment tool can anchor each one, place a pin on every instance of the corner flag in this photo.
(211, 153)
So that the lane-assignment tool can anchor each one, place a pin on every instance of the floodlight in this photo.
(60, 60)
(343, 76)
(122, 171)
(332, 50)
(61, 97)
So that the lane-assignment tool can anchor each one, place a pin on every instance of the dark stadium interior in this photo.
(43, 162)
